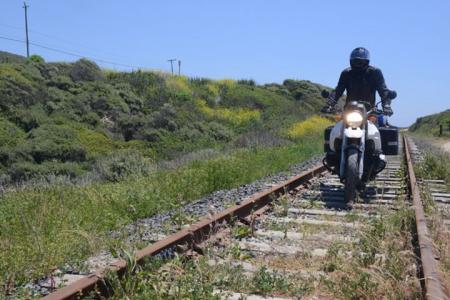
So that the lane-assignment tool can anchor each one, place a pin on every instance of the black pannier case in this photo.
(326, 145)
(389, 140)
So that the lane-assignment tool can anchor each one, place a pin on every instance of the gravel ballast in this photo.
(149, 230)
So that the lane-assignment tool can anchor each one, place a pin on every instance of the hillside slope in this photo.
(429, 125)
(69, 118)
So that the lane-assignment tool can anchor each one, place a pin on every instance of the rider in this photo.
(361, 81)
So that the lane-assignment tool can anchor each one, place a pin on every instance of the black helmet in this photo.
(359, 59)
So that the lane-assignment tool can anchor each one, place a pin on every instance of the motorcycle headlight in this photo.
(354, 119)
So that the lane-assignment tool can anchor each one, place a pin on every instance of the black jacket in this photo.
(361, 85)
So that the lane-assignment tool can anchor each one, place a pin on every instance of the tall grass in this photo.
(435, 165)
(45, 227)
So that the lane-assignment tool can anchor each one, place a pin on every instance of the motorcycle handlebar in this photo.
(334, 110)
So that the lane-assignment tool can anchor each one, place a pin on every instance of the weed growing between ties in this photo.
(47, 227)
(204, 278)
(382, 262)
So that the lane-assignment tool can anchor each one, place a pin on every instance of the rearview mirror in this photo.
(392, 94)
(325, 94)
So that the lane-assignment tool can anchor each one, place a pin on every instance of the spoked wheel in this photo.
(351, 176)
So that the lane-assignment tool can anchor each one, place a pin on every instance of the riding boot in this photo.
(349, 204)
(380, 160)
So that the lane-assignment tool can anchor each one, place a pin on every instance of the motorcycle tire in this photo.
(351, 176)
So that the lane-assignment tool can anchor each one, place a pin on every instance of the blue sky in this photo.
(267, 41)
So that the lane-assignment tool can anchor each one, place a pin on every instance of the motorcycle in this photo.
(356, 146)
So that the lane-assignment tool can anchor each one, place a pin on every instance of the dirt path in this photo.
(444, 144)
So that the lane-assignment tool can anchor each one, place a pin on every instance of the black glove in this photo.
(327, 109)
(387, 110)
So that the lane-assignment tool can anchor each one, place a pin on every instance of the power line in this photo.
(100, 60)
(65, 41)
(11, 39)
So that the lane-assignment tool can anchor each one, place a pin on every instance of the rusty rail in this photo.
(195, 234)
(434, 288)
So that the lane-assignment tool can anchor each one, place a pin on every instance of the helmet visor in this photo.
(358, 63)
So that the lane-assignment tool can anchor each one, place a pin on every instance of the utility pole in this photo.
(171, 63)
(25, 6)
(179, 71)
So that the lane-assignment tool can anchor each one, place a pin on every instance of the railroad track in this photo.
(298, 240)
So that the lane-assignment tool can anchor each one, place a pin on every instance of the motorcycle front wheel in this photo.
(351, 175)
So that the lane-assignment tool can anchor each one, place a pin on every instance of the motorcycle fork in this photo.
(360, 145)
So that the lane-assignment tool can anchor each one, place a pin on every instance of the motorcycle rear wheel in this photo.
(351, 176)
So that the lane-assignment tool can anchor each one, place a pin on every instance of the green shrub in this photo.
(129, 125)
(19, 85)
(23, 171)
(36, 59)
(96, 143)
(123, 164)
(76, 112)
(61, 82)
(6, 57)
(10, 134)
(218, 132)
(85, 70)
(49, 142)
(249, 82)
(150, 134)
(30, 118)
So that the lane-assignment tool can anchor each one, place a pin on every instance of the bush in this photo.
(150, 134)
(219, 132)
(36, 59)
(10, 134)
(28, 119)
(129, 126)
(23, 171)
(85, 70)
(162, 119)
(72, 115)
(96, 143)
(61, 82)
(19, 85)
(123, 164)
(54, 142)
(249, 82)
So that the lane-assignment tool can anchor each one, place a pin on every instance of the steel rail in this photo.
(433, 284)
(191, 236)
